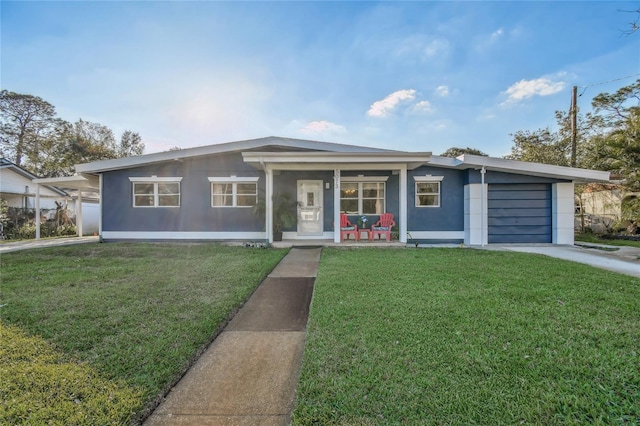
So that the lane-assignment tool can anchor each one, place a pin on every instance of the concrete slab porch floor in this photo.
(248, 375)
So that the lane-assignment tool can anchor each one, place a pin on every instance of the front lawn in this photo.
(460, 336)
(95, 333)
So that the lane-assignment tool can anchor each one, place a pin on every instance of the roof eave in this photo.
(239, 146)
(533, 169)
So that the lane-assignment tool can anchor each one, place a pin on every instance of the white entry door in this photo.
(310, 207)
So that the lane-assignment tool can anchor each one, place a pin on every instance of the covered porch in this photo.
(327, 173)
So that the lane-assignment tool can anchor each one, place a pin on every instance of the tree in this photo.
(24, 119)
(130, 144)
(34, 138)
(553, 147)
(454, 152)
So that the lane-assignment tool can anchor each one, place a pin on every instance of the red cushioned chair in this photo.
(383, 227)
(347, 228)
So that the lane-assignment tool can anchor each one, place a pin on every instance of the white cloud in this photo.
(497, 34)
(323, 126)
(387, 105)
(442, 91)
(422, 107)
(525, 89)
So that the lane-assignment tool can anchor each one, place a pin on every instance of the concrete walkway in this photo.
(248, 375)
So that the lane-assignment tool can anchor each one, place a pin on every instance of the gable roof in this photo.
(285, 150)
(278, 143)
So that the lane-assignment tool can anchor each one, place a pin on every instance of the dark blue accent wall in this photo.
(450, 215)
(195, 213)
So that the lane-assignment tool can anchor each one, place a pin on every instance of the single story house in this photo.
(18, 190)
(208, 193)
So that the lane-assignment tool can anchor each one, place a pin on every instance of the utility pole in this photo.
(574, 124)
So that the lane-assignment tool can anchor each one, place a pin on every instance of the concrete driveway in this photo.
(7, 247)
(624, 260)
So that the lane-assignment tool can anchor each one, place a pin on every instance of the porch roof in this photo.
(333, 160)
(79, 182)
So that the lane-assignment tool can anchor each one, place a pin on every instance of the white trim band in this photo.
(154, 179)
(428, 178)
(436, 235)
(185, 235)
(232, 179)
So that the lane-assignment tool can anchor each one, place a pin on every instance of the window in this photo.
(234, 191)
(428, 191)
(156, 191)
(363, 195)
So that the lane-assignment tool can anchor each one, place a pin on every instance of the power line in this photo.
(605, 82)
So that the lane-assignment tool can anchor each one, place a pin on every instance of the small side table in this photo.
(364, 231)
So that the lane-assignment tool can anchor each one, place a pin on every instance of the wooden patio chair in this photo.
(347, 228)
(383, 227)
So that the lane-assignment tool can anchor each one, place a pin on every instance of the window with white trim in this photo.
(363, 194)
(234, 191)
(428, 190)
(156, 191)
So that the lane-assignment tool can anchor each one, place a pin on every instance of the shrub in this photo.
(47, 229)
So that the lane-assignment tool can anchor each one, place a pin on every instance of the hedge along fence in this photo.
(38, 386)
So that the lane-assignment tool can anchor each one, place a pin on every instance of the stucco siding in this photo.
(195, 213)
(449, 216)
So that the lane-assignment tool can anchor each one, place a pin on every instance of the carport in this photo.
(77, 182)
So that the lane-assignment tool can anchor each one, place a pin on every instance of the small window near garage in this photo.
(234, 191)
(156, 191)
(428, 191)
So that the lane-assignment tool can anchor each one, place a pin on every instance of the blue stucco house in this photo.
(208, 193)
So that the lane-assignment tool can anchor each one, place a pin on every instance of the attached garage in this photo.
(519, 213)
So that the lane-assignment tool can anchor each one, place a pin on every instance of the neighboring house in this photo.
(19, 191)
(208, 193)
(19, 188)
(600, 205)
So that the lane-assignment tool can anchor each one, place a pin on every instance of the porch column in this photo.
(268, 195)
(562, 213)
(403, 205)
(336, 206)
(37, 211)
(79, 213)
(100, 206)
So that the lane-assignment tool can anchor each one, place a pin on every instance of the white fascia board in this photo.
(74, 182)
(329, 158)
(534, 169)
(128, 162)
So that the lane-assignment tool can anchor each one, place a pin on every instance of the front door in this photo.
(310, 207)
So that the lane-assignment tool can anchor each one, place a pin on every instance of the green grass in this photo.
(452, 336)
(133, 314)
(590, 238)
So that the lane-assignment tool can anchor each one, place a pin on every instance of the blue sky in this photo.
(416, 76)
